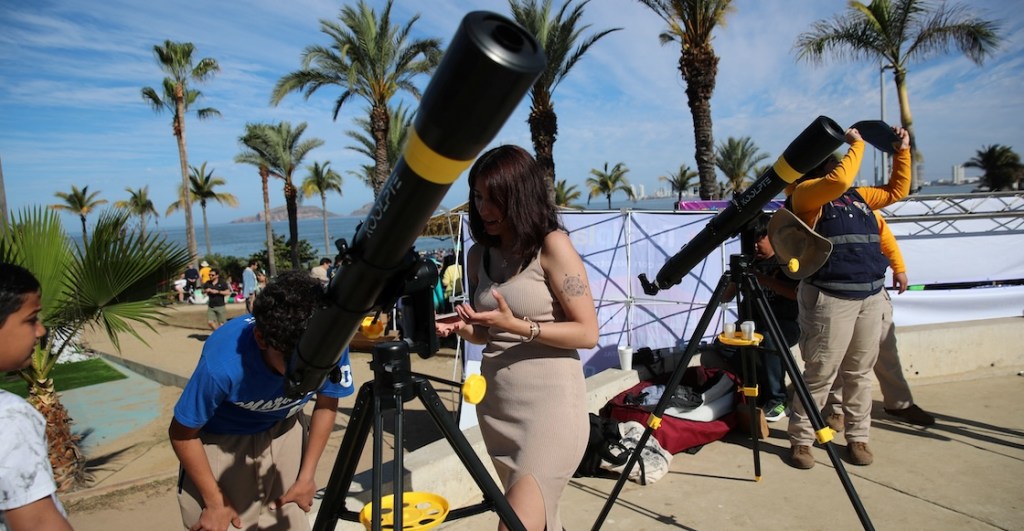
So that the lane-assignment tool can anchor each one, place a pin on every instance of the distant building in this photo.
(958, 174)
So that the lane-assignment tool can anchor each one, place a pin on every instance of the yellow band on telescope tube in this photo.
(785, 171)
(428, 164)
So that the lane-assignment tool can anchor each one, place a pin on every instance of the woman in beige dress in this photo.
(532, 308)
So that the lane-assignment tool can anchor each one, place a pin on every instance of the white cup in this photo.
(625, 357)
(747, 328)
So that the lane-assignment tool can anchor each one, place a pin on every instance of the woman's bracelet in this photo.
(534, 330)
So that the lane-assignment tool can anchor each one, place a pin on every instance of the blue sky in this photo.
(71, 113)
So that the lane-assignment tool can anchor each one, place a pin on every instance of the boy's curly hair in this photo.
(15, 283)
(282, 308)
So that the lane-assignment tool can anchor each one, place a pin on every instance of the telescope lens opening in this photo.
(507, 37)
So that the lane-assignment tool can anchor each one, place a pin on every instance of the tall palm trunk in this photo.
(609, 196)
(323, 212)
(142, 226)
(206, 228)
(179, 133)
(379, 129)
(543, 129)
(699, 68)
(907, 121)
(292, 205)
(265, 177)
(85, 235)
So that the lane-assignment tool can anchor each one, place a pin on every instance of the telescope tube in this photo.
(490, 65)
(816, 142)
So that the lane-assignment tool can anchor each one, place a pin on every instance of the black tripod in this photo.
(394, 384)
(740, 273)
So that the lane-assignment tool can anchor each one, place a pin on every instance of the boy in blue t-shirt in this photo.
(247, 451)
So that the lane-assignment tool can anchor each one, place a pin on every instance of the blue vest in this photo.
(856, 267)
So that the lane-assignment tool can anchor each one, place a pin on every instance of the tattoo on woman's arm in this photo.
(573, 286)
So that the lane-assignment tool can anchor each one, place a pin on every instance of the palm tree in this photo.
(322, 179)
(252, 139)
(895, 33)
(400, 119)
(175, 59)
(737, 158)
(1001, 165)
(80, 203)
(112, 282)
(138, 204)
(367, 58)
(691, 23)
(679, 181)
(608, 182)
(202, 189)
(282, 149)
(564, 194)
(557, 35)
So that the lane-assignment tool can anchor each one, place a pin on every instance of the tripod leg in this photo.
(469, 459)
(398, 478)
(750, 392)
(333, 504)
(654, 420)
(814, 415)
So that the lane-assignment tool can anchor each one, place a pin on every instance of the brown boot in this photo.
(860, 454)
(801, 457)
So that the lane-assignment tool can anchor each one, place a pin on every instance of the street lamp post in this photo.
(884, 175)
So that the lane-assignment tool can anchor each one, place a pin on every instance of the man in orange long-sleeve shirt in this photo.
(896, 396)
(841, 304)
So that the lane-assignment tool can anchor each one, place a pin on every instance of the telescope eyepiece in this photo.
(508, 38)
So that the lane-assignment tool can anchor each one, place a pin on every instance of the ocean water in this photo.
(244, 239)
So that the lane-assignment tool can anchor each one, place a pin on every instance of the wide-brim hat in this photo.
(792, 239)
(204, 263)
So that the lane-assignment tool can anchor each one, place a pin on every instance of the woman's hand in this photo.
(501, 318)
(852, 135)
(447, 326)
(904, 141)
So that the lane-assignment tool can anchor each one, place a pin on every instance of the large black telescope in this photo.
(816, 142)
(488, 68)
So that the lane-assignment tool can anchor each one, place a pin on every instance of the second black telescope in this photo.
(815, 143)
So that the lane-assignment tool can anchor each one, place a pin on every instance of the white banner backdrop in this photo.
(617, 246)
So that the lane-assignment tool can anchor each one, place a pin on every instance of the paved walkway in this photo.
(966, 472)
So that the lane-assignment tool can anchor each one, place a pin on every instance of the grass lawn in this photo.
(67, 376)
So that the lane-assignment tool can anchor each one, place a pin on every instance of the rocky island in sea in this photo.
(281, 214)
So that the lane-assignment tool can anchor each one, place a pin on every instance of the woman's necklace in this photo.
(505, 265)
